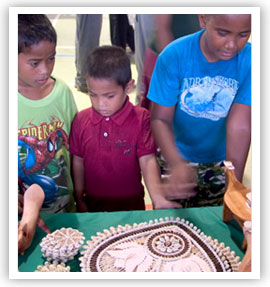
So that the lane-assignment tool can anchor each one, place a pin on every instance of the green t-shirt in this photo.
(43, 129)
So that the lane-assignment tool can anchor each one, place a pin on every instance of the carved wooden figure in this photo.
(237, 205)
(235, 198)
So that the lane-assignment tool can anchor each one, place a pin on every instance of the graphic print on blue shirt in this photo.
(206, 97)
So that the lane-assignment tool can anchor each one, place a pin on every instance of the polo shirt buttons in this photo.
(107, 119)
(105, 134)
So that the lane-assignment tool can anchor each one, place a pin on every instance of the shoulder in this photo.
(246, 51)
(61, 86)
(141, 112)
(142, 116)
(81, 119)
(244, 61)
(182, 42)
(244, 55)
(137, 117)
(64, 94)
(84, 114)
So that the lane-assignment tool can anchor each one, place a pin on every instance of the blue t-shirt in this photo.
(202, 93)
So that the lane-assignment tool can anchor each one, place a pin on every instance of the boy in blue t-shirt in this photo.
(201, 115)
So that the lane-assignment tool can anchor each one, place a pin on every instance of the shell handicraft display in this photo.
(62, 245)
(170, 245)
(53, 267)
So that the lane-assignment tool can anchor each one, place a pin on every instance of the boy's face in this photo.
(35, 64)
(107, 97)
(225, 35)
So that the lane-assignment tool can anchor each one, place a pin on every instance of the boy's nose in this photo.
(231, 45)
(43, 69)
(102, 104)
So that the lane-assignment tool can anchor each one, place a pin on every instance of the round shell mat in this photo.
(165, 245)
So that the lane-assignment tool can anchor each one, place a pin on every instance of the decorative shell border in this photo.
(164, 245)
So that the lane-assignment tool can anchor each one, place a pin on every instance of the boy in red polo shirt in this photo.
(111, 142)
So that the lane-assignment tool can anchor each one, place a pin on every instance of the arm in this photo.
(182, 180)
(151, 174)
(30, 206)
(161, 124)
(238, 137)
(163, 30)
(78, 182)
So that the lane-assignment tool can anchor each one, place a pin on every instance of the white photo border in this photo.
(13, 119)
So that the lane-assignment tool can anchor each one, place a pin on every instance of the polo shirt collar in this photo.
(118, 118)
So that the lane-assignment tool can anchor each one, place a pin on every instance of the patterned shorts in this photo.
(210, 187)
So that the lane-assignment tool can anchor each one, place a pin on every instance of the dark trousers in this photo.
(121, 32)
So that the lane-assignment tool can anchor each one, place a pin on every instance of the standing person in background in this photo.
(88, 29)
(46, 109)
(168, 27)
(144, 29)
(173, 26)
(121, 31)
(201, 114)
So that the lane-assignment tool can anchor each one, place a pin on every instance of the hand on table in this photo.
(245, 265)
(30, 205)
(163, 203)
(26, 232)
(42, 225)
(25, 236)
(181, 182)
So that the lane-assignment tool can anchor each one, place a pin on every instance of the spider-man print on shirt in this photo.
(40, 158)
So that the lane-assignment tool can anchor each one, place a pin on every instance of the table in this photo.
(208, 219)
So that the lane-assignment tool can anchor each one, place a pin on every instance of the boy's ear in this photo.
(202, 20)
(129, 86)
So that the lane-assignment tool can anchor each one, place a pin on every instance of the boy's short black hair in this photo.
(109, 62)
(34, 28)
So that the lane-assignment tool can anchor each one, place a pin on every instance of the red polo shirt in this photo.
(111, 148)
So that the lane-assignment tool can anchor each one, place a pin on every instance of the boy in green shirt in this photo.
(45, 111)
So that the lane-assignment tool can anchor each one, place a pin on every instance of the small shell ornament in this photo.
(53, 267)
(62, 245)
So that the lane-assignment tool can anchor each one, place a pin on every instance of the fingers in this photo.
(42, 225)
(23, 239)
(167, 204)
(21, 244)
(26, 234)
(179, 191)
(181, 182)
(175, 205)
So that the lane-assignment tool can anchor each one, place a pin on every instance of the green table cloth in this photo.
(208, 219)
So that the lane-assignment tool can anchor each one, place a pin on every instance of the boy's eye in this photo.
(110, 96)
(51, 59)
(244, 35)
(92, 95)
(222, 33)
(33, 64)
